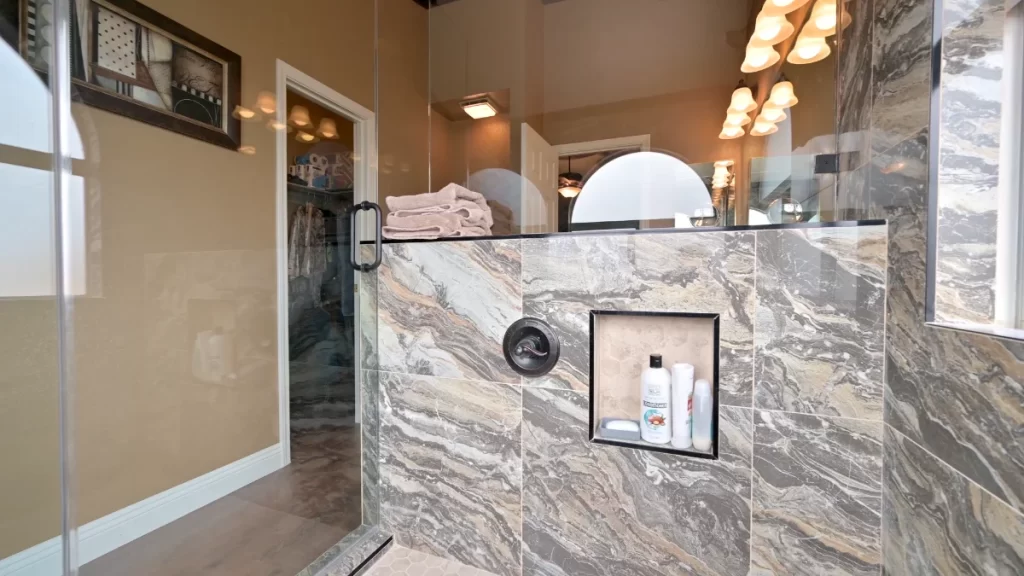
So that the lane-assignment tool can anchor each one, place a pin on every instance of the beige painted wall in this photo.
(183, 241)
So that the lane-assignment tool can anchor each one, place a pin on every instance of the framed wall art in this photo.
(129, 59)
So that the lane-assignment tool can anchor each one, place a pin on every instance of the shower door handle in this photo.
(354, 236)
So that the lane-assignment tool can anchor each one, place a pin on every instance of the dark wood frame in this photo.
(87, 93)
(667, 449)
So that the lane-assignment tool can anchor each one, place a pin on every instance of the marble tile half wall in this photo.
(496, 471)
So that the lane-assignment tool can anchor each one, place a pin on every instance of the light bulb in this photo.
(742, 101)
(731, 133)
(825, 22)
(771, 30)
(266, 102)
(809, 49)
(737, 119)
(759, 58)
(773, 115)
(782, 96)
(781, 7)
(763, 128)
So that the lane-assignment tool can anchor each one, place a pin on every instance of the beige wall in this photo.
(182, 240)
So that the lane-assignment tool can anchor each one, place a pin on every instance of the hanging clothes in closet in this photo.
(307, 249)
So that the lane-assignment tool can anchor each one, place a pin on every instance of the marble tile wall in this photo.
(496, 471)
(953, 485)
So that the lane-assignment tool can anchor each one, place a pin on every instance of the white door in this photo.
(540, 183)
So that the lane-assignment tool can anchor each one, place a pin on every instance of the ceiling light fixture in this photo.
(569, 183)
(780, 7)
(266, 102)
(809, 49)
(742, 101)
(478, 108)
(759, 58)
(770, 30)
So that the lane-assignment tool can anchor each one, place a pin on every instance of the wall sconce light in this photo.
(742, 101)
(478, 108)
(759, 58)
(731, 133)
(266, 102)
(305, 137)
(782, 96)
(770, 30)
(275, 126)
(736, 119)
(328, 129)
(824, 16)
(781, 7)
(809, 49)
(772, 114)
(299, 116)
(247, 150)
(763, 127)
(243, 113)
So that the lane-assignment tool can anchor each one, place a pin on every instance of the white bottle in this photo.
(702, 414)
(655, 420)
(682, 404)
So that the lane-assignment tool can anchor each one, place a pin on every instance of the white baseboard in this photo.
(121, 527)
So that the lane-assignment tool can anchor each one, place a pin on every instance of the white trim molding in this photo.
(114, 530)
(643, 142)
(365, 189)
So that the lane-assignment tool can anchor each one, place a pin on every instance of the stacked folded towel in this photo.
(503, 219)
(451, 212)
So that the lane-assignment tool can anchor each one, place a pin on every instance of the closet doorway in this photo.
(325, 142)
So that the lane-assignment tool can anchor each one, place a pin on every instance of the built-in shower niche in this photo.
(621, 344)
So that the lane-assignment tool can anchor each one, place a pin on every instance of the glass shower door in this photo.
(145, 390)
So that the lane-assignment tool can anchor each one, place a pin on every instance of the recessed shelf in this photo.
(620, 347)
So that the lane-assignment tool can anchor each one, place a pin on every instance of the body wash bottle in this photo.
(682, 404)
(655, 423)
(702, 414)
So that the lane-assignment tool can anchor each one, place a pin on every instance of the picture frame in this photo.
(130, 60)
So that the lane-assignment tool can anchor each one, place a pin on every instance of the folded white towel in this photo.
(463, 193)
(468, 212)
(425, 200)
(445, 220)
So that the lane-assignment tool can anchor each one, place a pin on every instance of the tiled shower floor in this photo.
(400, 561)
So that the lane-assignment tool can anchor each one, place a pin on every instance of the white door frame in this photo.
(365, 188)
(642, 141)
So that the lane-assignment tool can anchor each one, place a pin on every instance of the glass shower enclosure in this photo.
(186, 345)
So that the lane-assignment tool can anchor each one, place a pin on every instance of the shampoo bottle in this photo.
(682, 404)
(655, 423)
(702, 415)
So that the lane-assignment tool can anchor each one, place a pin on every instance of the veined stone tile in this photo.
(817, 495)
(820, 321)
(444, 308)
(936, 522)
(451, 469)
(370, 431)
(901, 71)
(596, 510)
(566, 277)
(367, 300)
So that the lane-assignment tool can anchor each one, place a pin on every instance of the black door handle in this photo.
(354, 237)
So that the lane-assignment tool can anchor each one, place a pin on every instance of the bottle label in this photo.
(655, 419)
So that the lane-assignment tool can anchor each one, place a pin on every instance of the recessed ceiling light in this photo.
(478, 108)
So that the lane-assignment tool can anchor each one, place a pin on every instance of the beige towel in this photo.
(471, 231)
(465, 194)
(468, 212)
(444, 220)
(421, 226)
(445, 196)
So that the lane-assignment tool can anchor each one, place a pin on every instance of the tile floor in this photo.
(400, 561)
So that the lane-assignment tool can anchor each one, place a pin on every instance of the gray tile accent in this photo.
(818, 332)
(451, 469)
(938, 522)
(817, 495)
(593, 510)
